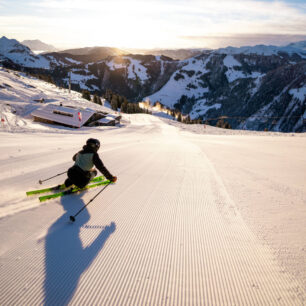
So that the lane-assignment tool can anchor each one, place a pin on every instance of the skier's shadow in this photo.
(65, 257)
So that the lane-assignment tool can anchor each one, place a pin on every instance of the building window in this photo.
(57, 112)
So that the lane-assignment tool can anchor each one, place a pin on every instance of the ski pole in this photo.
(41, 181)
(72, 218)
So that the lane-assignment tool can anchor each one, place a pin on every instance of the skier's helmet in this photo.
(93, 143)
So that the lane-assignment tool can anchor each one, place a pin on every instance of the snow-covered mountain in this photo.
(13, 51)
(299, 45)
(15, 55)
(134, 76)
(260, 87)
(93, 54)
(38, 46)
(296, 48)
(254, 91)
(177, 54)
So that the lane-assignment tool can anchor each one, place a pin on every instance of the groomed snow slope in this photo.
(187, 223)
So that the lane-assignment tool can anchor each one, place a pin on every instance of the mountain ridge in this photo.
(233, 82)
(38, 45)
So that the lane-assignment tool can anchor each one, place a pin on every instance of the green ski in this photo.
(59, 187)
(74, 190)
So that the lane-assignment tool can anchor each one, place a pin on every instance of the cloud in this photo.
(171, 23)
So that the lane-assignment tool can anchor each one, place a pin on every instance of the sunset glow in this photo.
(154, 23)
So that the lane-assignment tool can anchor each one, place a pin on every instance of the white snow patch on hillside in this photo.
(73, 61)
(196, 64)
(162, 64)
(189, 86)
(232, 74)
(81, 79)
(230, 61)
(200, 108)
(38, 51)
(95, 87)
(29, 60)
(136, 69)
(133, 66)
(299, 93)
(56, 61)
(75, 77)
(257, 83)
(114, 66)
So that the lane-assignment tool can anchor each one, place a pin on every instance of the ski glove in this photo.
(114, 179)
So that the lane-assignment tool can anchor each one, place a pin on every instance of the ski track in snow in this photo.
(167, 233)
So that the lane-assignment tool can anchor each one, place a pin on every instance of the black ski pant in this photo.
(79, 177)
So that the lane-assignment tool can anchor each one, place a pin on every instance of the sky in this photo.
(154, 23)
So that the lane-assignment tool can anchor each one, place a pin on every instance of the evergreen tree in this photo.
(187, 120)
(86, 95)
(114, 103)
(120, 101)
(227, 125)
(95, 99)
(108, 95)
(124, 107)
(220, 123)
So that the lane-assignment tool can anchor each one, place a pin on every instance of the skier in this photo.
(83, 170)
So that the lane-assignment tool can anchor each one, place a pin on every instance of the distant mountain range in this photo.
(177, 54)
(259, 87)
(299, 45)
(92, 54)
(37, 45)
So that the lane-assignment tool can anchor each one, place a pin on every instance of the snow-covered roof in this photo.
(64, 115)
(112, 116)
(106, 119)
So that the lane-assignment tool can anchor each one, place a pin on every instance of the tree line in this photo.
(86, 95)
(122, 103)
